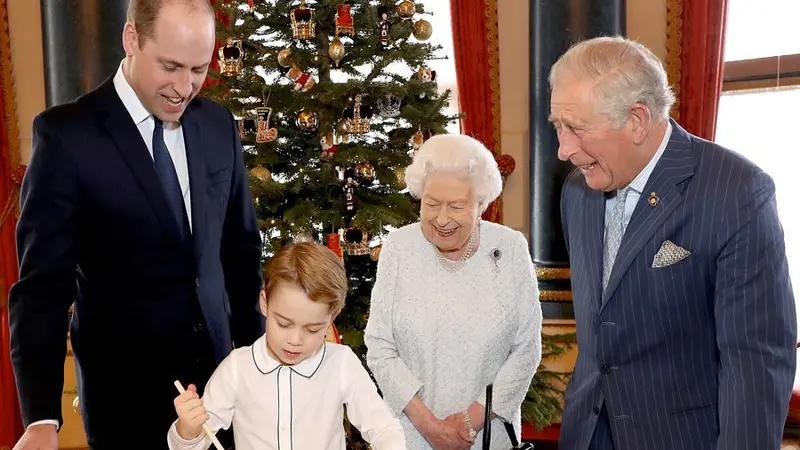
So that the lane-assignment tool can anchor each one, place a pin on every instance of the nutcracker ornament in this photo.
(384, 26)
(349, 192)
(344, 20)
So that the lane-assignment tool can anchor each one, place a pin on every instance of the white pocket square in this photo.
(669, 254)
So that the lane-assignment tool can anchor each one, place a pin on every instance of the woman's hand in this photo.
(448, 434)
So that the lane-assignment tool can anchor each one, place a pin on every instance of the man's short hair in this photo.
(143, 14)
(623, 71)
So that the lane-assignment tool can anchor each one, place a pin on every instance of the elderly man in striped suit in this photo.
(685, 313)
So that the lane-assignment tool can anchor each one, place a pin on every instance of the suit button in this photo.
(197, 282)
(198, 328)
(606, 369)
(595, 410)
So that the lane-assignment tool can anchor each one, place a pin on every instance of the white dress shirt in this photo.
(638, 184)
(173, 135)
(275, 406)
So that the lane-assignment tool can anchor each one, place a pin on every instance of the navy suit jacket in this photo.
(95, 229)
(699, 354)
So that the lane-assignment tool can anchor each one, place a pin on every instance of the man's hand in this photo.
(39, 437)
(191, 414)
(446, 435)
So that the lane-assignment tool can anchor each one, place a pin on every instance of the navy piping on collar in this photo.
(291, 409)
(255, 363)
(322, 358)
(278, 427)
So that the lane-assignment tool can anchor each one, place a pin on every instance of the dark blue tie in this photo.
(169, 178)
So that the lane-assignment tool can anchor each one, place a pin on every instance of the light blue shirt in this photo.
(638, 183)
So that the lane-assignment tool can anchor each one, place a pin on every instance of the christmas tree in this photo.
(332, 97)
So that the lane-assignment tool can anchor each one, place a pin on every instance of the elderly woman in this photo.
(455, 305)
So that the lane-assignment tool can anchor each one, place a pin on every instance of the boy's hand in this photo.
(191, 414)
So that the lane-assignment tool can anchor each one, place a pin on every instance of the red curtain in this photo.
(10, 177)
(695, 43)
(475, 44)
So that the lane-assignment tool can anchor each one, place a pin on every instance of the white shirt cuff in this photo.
(45, 422)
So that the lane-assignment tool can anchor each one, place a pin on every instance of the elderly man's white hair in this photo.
(624, 72)
(462, 156)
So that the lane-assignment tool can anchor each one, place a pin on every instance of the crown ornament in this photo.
(304, 23)
(231, 58)
(356, 242)
(357, 117)
(389, 106)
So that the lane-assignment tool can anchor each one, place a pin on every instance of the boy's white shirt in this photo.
(275, 406)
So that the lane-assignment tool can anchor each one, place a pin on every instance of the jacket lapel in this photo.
(593, 242)
(120, 128)
(193, 137)
(676, 165)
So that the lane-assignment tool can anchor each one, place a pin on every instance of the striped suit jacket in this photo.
(699, 354)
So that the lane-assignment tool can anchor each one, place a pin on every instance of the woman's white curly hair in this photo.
(461, 155)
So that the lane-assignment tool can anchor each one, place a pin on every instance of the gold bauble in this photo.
(336, 51)
(423, 30)
(406, 9)
(375, 253)
(365, 171)
(285, 57)
(400, 173)
(262, 173)
(307, 121)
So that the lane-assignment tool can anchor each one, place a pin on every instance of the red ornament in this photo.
(18, 173)
(506, 164)
(333, 241)
(344, 20)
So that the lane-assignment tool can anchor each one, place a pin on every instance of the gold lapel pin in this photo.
(653, 200)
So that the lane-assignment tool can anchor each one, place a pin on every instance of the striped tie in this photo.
(614, 232)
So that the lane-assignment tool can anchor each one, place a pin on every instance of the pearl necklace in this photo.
(453, 266)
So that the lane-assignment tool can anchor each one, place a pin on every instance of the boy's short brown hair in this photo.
(313, 268)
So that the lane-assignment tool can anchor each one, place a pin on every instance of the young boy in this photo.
(287, 389)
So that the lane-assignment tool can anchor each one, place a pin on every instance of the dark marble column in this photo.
(555, 25)
(82, 42)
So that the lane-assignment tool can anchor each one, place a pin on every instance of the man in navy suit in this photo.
(136, 208)
(684, 310)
